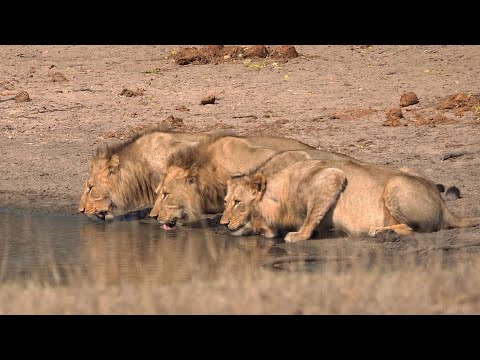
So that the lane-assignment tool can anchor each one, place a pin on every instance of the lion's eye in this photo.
(165, 194)
(236, 203)
(89, 189)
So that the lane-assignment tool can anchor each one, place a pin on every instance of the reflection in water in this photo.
(65, 250)
(37, 246)
(57, 249)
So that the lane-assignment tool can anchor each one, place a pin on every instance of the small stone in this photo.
(22, 96)
(453, 193)
(408, 98)
(208, 100)
(440, 188)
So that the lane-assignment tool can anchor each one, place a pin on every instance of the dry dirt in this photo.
(337, 98)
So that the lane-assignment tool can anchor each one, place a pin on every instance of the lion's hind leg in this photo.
(413, 204)
(399, 229)
(324, 190)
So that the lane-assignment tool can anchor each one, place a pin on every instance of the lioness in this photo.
(124, 175)
(356, 198)
(195, 177)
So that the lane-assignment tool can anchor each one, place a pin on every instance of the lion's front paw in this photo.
(295, 236)
(269, 234)
(373, 231)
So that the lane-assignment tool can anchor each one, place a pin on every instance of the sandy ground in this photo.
(331, 97)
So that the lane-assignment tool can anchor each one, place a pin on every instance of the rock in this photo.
(58, 77)
(208, 100)
(284, 52)
(256, 51)
(440, 188)
(22, 96)
(408, 98)
(453, 193)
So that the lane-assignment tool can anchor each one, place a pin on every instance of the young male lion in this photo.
(356, 198)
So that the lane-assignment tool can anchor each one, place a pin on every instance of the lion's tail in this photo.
(452, 221)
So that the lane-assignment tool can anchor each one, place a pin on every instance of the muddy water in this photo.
(66, 249)
(62, 248)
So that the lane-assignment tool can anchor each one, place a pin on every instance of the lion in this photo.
(355, 198)
(195, 177)
(123, 175)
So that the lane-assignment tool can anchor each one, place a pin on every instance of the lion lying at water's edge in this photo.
(195, 177)
(356, 198)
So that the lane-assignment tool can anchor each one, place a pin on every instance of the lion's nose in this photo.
(152, 215)
(224, 221)
(81, 210)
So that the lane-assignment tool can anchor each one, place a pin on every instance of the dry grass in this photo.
(403, 287)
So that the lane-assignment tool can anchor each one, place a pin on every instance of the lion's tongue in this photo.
(166, 227)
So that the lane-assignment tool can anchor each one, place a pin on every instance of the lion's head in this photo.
(116, 185)
(96, 199)
(191, 186)
(242, 194)
(178, 197)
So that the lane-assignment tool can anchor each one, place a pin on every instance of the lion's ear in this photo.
(192, 173)
(259, 184)
(113, 163)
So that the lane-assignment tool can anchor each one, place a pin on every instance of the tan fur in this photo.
(195, 177)
(353, 197)
(123, 175)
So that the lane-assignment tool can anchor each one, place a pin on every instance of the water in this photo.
(59, 249)
(67, 249)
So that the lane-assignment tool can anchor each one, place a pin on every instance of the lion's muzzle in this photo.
(169, 225)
